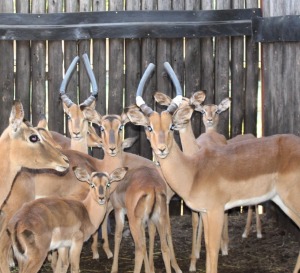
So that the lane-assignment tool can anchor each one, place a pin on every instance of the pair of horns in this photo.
(64, 84)
(139, 93)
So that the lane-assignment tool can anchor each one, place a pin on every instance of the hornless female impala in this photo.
(21, 146)
(56, 223)
(223, 177)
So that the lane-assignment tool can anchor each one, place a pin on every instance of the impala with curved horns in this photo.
(223, 177)
(79, 115)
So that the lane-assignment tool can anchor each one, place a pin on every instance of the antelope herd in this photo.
(54, 195)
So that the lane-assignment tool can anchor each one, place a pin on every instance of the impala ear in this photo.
(128, 142)
(16, 116)
(118, 174)
(182, 116)
(90, 114)
(136, 116)
(124, 118)
(81, 174)
(197, 98)
(162, 99)
(224, 105)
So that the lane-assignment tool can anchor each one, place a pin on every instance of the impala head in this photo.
(27, 147)
(112, 127)
(211, 112)
(80, 115)
(100, 182)
(159, 127)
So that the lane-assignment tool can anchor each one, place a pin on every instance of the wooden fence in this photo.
(223, 66)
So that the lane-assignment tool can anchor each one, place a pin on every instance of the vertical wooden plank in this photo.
(222, 72)
(116, 67)
(207, 65)
(6, 72)
(237, 80)
(70, 51)
(193, 67)
(84, 47)
(55, 73)
(207, 62)
(163, 55)
(296, 82)
(251, 85)
(38, 61)
(148, 56)
(99, 67)
(132, 75)
(23, 65)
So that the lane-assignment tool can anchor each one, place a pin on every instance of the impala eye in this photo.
(101, 129)
(34, 138)
(172, 127)
(149, 128)
(121, 128)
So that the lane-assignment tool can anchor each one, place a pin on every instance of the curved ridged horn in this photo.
(92, 78)
(65, 81)
(139, 93)
(177, 100)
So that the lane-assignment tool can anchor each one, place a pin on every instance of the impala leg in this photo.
(119, 216)
(213, 224)
(174, 263)
(196, 218)
(164, 245)
(104, 226)
(62, 264)
(152, 232)
(258, 223)
(138, 233)
(248, 222)
(225, 236)
(94, 245)
(75, 251)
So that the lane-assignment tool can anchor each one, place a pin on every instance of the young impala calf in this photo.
(59, 223)
(249, 172)
(21, 146)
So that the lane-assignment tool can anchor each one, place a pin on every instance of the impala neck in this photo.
(188, 140)
(178, 171)
(9, 170)
(95, 210)
(80, 145)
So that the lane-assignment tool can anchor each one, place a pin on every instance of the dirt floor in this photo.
(276, 252)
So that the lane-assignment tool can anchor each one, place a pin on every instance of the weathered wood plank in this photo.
(149, 52)
(99, 67)
(207, 63)
(23, 65)
(237, 81)
(55, 73)
(70, 51)
(132, 75)
(6, 72)
(84, 47)
(192, 67)
(222, 73)
(126, 24)
(38, 61)
(116, 67)
(251, 83)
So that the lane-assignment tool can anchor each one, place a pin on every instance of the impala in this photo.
(23, 147)
(56, 223)
(248, 172)
(145, 180)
